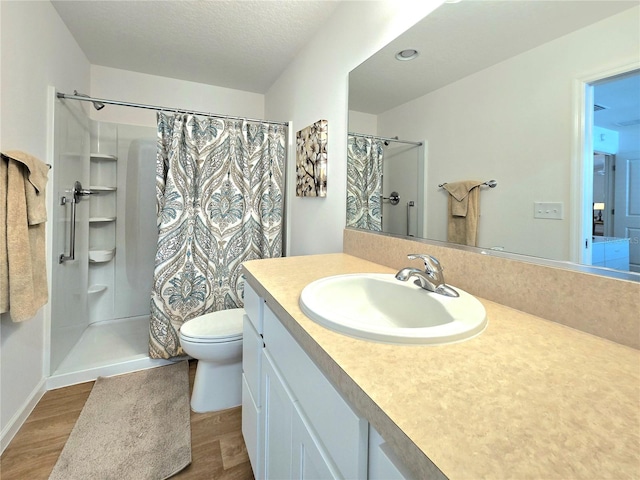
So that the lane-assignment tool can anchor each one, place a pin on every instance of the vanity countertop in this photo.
(528, 398)
(597, 239)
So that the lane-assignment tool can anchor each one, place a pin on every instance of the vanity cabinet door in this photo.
(251, 395)
(252, 413)
(310, 461)
(292, 450)
(252, 345)
(277, 412)
(382, 462)
(252, 429)
(341, 432)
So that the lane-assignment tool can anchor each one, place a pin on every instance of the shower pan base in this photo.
(106, 348)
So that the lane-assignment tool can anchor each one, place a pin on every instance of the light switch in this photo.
(552, 210)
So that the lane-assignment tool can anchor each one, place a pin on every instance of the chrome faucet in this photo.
(431, 279)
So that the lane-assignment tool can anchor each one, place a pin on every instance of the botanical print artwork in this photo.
(311, 160)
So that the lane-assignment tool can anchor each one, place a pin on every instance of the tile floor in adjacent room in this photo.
(217, 446)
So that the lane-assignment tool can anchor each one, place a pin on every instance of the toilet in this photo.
(215, 340)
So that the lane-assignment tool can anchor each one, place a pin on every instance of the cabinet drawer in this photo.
(252, 358)
(251, 429)
(254, 306)
(615, 250)
(618, 263)
(341, 431)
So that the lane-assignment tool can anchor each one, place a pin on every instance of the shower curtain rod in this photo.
(418, 144)
(162, 109)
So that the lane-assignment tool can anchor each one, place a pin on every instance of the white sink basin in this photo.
(378, 307)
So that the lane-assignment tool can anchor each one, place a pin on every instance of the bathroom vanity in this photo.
(527, 398)
(304, 425)
(610, 252)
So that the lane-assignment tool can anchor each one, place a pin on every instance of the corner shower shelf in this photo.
(96, 288)
(102, 156)
(102, 188)
(101, 219)
(101, 256)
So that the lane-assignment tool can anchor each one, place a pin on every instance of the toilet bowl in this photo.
(215, 340)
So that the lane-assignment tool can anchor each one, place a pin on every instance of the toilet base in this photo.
(216, 387)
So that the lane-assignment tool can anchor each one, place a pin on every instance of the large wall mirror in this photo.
(541, 97)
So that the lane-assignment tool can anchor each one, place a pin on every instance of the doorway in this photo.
(611, 200)
(603, 193)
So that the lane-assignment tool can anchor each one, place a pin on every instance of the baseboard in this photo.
(89, 374)
(10, 430)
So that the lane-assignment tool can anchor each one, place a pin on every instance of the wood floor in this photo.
(217, 446)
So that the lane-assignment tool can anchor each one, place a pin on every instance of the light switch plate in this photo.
(551, 210)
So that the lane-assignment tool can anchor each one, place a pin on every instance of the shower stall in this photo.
(403, 175)
(386, 184)
(104, 237)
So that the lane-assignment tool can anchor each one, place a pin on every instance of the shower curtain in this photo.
(219, 189)
(364, 183)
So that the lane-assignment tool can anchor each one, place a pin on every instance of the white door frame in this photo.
(582, 162)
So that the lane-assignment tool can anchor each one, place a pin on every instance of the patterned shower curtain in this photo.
(364, 182)
(219, 189)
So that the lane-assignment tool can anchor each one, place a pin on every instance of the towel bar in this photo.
(488, 183)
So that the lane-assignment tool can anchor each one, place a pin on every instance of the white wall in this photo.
(133, 87)
(314, 87)
(360, 122)
(514, 122)
(37, 51)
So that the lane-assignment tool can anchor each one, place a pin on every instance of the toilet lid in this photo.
(225, 325)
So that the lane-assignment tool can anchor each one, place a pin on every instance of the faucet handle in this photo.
(431, 264)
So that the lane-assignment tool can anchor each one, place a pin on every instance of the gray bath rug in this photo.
(134, 426)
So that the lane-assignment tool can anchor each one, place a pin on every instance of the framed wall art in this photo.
(311, 160)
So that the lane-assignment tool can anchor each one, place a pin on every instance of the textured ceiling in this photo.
(244, 45)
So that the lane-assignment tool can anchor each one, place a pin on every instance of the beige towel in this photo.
(23, 267)
(464, 209)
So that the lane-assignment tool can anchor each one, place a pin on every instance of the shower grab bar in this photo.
(410, 204)
(78, 192)
(72, 231)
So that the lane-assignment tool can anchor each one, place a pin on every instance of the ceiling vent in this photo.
(597, 107)
(628, 123)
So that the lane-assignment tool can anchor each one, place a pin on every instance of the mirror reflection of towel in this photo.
(464, 209)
